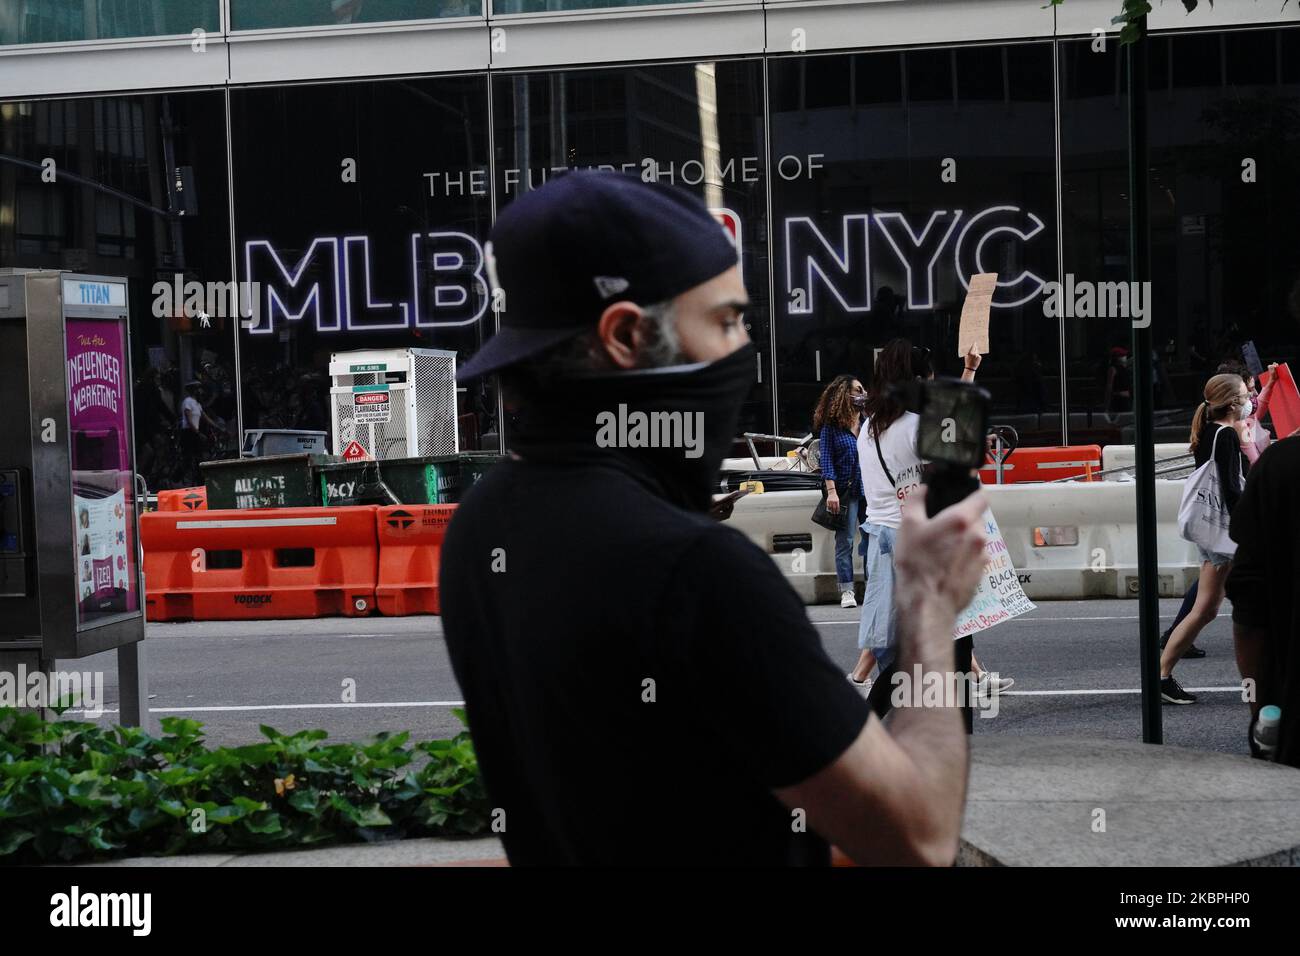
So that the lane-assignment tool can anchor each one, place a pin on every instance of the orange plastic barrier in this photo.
(410, 552)
(1045, 464)
(246, 564)
(184, 499)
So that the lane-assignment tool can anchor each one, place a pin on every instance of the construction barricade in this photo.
(183, 499)
(248, 565)
(1080, 539)
(1045, 464)
(410, 552)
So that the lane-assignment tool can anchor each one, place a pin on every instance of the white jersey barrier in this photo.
(1080, 539)
(1066, 541)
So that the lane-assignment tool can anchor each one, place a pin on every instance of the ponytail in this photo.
(1198, 422)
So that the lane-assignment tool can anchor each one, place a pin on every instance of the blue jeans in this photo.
(844, 544)
(877, 627)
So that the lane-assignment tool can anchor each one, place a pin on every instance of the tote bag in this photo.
(1202, 515)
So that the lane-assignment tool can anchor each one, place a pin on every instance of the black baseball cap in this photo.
(565, 250)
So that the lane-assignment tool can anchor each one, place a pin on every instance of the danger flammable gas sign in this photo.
(371, 404)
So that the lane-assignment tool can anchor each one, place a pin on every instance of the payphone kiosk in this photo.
(71, 569)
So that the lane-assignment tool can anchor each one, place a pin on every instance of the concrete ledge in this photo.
(467, 851)
(1033, 802)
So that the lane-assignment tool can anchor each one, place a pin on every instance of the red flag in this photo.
(1283, 401)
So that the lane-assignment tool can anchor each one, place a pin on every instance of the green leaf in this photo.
(267, 821)
(372, 815)
(227, 814)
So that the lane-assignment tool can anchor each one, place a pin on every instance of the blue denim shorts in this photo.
(1214, 557)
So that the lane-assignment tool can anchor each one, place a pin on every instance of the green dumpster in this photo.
(396, 481)
(429, 480)
(274, 481)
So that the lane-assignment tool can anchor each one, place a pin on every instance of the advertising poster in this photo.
(103, 495)
(999, 596)
(102, 550)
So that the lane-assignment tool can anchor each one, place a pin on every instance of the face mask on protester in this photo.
(1247, 409)
(690, 411)
(859, 401)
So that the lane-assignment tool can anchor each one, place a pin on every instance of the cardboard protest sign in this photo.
(1251, 356)
(999, 596)
(1283, 401)
(974, 328)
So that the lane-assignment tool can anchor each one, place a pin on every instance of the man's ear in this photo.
(618, 335)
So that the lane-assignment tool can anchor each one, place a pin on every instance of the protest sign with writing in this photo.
(999, 596)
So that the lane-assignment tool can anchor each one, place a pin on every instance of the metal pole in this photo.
(1143, 437)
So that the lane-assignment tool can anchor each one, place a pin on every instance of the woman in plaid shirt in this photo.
(836, 422)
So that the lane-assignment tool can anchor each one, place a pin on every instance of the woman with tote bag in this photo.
(1220, 435)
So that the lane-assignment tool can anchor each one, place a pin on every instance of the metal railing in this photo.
(803, 445)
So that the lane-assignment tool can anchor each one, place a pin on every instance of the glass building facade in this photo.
(349, 156)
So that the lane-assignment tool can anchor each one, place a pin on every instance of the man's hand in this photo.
(833, 502)
(938, 561)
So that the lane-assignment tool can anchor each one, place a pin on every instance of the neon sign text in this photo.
(840, 266)
(333, 282)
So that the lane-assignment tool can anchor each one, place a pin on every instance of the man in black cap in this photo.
(643, 686)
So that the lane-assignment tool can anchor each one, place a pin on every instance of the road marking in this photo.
(1029, 620)
(1085, 693)
(247, 707)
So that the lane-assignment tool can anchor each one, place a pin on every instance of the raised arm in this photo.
(896, 795)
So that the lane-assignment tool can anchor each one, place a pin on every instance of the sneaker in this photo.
(847, 599)
(1171, 692)
(864, 686)
(1192, 653)
(988, 684)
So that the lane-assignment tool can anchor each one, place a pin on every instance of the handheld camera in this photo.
(954, 420)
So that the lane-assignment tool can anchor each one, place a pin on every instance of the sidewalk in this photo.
(433, 851)
(1060, 801)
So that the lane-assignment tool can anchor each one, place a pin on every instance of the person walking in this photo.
(1259, 400)
(891, 473)
(836, 421)
(662, 649)
(1265, 599)
(1220, 433)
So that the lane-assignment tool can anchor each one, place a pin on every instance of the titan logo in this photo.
(400, 520)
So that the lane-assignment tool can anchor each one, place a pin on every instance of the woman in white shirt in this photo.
(891, 471)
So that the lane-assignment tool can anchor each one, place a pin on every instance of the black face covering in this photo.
(672, 426)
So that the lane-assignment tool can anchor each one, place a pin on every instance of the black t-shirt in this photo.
(1229, 459)
(638, 678)
(1263, 583)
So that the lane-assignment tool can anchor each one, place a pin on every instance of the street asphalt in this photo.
(1075, 665)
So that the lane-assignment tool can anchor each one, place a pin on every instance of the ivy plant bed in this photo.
(73, 791)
